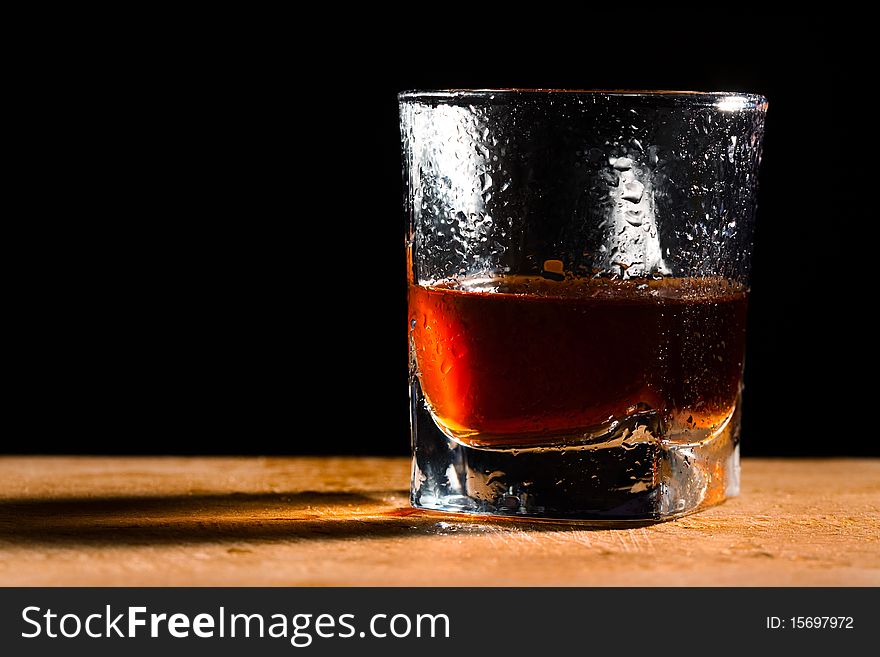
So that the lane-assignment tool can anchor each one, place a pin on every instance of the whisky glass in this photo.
(578, 271)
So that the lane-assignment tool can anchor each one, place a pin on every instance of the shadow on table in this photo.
(308, 515)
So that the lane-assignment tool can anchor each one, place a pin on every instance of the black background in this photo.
(212, 249)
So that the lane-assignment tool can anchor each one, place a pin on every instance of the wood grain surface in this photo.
(346, 521)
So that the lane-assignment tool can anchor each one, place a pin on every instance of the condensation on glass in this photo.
(578, 269)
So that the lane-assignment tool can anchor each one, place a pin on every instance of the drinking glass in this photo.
(578, 269)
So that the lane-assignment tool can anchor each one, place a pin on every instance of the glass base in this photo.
(634, 476)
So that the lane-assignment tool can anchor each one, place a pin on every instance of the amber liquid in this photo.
(523, 360)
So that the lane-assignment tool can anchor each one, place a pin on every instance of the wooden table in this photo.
(346, 521)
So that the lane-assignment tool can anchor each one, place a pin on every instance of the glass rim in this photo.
(725, 100)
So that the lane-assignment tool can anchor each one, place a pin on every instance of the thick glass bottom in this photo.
(635, 475)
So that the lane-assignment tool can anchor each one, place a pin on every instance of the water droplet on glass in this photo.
(632, 191)
(634, 217)
(445, 366)
(621, 163)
